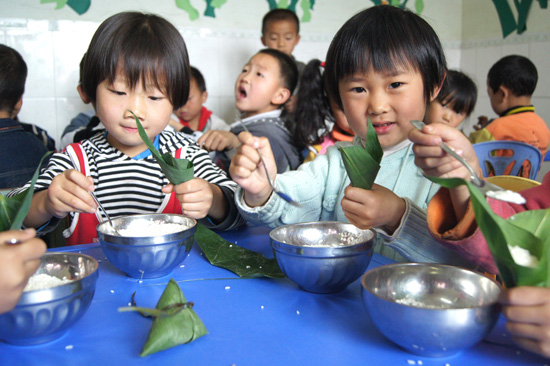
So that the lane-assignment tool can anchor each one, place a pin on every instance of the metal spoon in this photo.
(271, 183)
(487, 188)
(98, 203)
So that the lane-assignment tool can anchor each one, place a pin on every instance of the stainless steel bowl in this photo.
(44, 315)
(147, 256)
(308, 254)
(428, 309)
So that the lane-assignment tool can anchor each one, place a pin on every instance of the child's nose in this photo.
(377, 103)
(135, 105)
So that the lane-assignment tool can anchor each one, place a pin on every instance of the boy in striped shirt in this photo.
(135, 62)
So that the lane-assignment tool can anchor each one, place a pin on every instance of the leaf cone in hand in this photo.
(529, 230)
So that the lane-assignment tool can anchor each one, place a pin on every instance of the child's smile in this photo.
(389, 99)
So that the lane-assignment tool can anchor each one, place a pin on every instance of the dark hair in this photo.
(312, 107)
(13, 74)
(383, 37)
(460, 90)
(199, 79)
(516, 73)
(276, 15)
(288, 69)
(147, 47)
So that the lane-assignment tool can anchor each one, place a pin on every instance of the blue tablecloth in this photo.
(250, 322)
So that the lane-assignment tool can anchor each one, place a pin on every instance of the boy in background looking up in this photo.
(262, 90)
(511, 82)
(193, 118)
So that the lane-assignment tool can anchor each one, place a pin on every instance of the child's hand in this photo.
(527, 310)
(17, 263)
(247, 171)
(433, 160)
(362, 207)
(198, 198)
(69, 192)
(215, 140)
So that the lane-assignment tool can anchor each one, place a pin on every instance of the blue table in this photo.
(251, 322)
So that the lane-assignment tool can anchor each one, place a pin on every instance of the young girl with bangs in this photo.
(385, 64)
(135, 62)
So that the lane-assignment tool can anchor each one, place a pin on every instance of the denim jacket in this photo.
(20, 154)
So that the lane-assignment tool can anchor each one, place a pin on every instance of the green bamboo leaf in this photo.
(13, 210)
(175, 322)
(241, 261)
(362, 165)
(176, 170)
(528, 230)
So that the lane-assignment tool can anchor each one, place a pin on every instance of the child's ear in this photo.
(281, 96)
(504, 93)
(263, 41)
(204, 97)
(82, 94)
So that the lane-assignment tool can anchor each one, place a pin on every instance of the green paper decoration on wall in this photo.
(507, 19)
(418, 4)
(80, 6)
(305, 5)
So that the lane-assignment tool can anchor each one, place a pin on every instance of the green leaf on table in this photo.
(529, 230)
(362, 165)
(176, 170)
(13, 210)
(175, 321)
(241, 261)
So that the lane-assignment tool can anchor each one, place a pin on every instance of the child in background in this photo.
(372, 72)
(17, 263)
(21, 151)
(135, 62)
(511, 82)
(318, 121)
(193, 118)
(455, 102)
(261, 91)
(452, 222)
(281, 31)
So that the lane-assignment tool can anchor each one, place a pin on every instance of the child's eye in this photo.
(155, 98)
(117, 92)
(260, 74)
(358, 89)
(395, 85)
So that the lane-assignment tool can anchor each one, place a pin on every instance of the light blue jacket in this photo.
(319, 187)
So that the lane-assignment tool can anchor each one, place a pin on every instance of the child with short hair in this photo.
(193, 118)
(261, 91)
(511, 82)
(135, 62)
(21, 151)
(451, 221)
(373, 73)
(455, 102)
(281, 31)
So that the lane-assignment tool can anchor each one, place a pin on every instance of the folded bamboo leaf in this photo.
(529, 230)
(362, 165)
(13, 210)
(176, 170)
(175, 321)
(241, 261)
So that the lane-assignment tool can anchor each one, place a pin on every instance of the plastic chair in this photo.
(521, 152)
